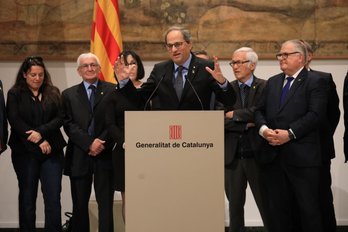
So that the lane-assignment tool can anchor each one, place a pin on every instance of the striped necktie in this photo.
(178, 82)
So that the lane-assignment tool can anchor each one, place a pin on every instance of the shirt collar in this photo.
(86, 84)
(295, 74)
(186, 65)
(248, 82)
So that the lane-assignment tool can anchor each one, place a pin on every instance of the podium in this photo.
(174, 164)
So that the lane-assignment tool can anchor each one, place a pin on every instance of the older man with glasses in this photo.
(289, 120)
(88, 155)
(241, 138)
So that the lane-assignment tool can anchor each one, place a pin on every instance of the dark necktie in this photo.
(91, 102)
(178, 83)
(285, 90)
(243, 92)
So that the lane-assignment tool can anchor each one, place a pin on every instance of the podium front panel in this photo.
(174, 171)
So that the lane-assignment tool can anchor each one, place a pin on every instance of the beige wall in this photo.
(64, 75)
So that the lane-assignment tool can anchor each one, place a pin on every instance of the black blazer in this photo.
(241, 116)
(20, 113)
(331, 118)
(302, 111)
(3, 121)
(204, 84)
(345, 108)
(117, 103)
(76, 121)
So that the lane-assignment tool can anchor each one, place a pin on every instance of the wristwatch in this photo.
(291, 135)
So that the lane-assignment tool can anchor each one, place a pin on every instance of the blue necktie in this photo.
(243, 89)
(91, 102)
(178, 82)
(285, 90)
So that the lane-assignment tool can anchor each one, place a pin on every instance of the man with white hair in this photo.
(88, 154)
(289, 120)
(241, 142)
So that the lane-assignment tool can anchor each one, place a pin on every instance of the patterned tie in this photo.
(91, 102)
(243, 92)
(178, 83)
(285, 90)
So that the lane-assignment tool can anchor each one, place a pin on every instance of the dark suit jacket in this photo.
(78, 116)
(21, 113)
(241, 116)
(345, 108)
(3, 121)
(117, 104)
(204, 84)
(302, 111)
(331, 118)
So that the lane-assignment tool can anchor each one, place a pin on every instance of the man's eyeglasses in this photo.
(238, 62)
(86, 66)
(177, 45)
(285, 55)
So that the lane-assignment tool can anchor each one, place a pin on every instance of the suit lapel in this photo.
(99, 93)
(236, 89)
(251, 94)
(191, 73)
(168, 78)
(295, 85)
(278, 87)
(83, 96)
(252, 91)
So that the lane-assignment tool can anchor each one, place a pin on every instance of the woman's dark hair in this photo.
(141, 71)
(50, 93)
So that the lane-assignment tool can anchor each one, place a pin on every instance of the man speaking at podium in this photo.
(185, 82)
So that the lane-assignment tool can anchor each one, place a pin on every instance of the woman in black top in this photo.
(35, 114)
(118, 104)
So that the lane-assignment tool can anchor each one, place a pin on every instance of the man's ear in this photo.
(252, 66)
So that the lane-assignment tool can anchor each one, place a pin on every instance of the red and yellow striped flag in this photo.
(106, 40)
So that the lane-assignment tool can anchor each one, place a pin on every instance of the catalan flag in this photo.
(106, 40)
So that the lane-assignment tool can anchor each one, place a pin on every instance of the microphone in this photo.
(194, 90)
(153, 92)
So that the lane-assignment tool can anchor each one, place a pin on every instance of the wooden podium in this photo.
(174, 171)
